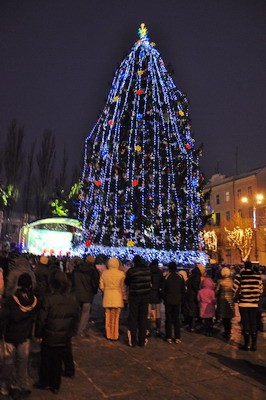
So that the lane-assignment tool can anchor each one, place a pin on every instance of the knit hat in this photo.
(225, 272)
(24, 281)
(44, 260)
(113, 263)
(202, 269)
(90, 259)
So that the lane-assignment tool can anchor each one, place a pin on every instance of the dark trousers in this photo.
(249, 319)
(68, 362)
(227, 326)
(172, 319)
(137, 319)
(51, 366)
(208, 324)
(191, 323)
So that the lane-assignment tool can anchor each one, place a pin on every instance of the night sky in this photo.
(58, 57)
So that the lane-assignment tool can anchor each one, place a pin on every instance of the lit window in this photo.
(227, 196)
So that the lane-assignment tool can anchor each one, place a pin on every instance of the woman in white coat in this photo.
(113, 288)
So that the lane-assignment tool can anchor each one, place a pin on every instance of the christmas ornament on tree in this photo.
(140, 161)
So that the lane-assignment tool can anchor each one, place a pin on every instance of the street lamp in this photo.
(257, 200)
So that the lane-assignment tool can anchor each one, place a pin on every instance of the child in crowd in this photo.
(207, 301)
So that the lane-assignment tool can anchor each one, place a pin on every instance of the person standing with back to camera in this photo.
(225, 304)
(155, 298)
(138, 280)
(112, 285)
(55, 325)
(248, 288)
(193, 286)
(17, 316)
(85, 286)
(173, 295)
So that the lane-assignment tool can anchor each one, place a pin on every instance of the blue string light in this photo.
(140, 175)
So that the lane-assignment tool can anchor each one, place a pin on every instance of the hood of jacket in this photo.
(83, 267)
(113, 263)
(207, 283)
(25, 301)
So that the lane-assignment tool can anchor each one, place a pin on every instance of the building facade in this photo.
(238, 201)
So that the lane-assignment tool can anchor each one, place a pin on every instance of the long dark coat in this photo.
(173, 289)
(191, 308)
(156, 284)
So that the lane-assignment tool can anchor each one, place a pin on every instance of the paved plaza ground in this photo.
(199, 368)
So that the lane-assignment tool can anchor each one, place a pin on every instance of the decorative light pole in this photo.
(256, 201)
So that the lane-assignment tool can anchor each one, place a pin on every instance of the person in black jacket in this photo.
(173, 295)
(138, 280)
(55, 325)
(42, 273)
(155, 298)
(17, 316)
(191, 303)
(85, 284)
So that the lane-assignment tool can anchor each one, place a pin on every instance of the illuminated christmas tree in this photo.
(141, 183)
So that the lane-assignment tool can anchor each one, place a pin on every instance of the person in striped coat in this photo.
(248, 285)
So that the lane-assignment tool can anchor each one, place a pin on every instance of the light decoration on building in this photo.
(210, 240)
(142, 151)
(241, 239)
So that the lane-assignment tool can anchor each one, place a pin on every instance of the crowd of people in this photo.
(50, 301)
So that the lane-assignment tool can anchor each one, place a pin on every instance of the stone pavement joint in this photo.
(90, 380)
